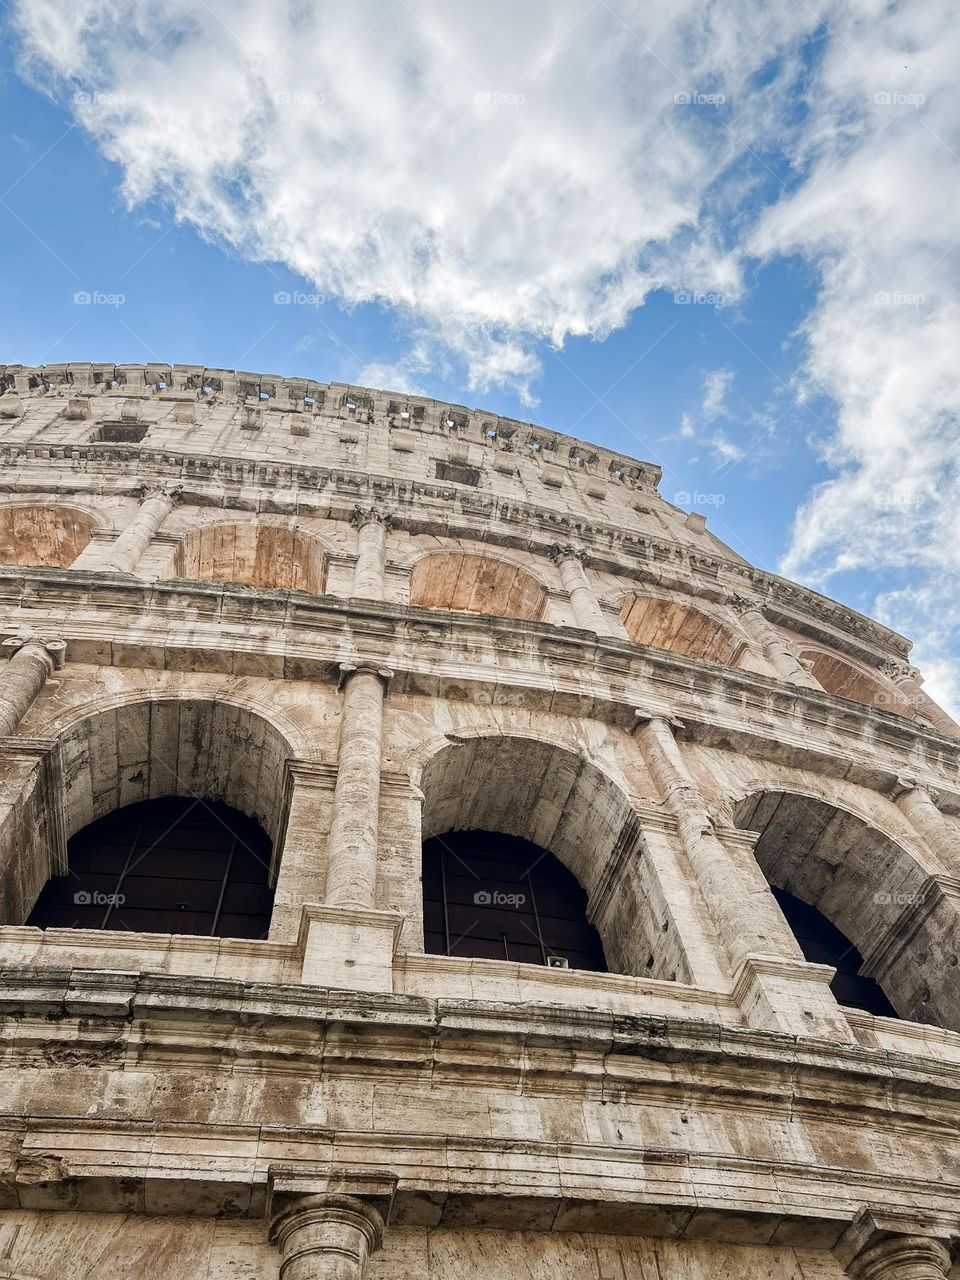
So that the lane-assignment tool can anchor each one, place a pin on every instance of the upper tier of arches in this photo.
(274, 553)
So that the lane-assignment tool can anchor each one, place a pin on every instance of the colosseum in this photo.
(429, 854)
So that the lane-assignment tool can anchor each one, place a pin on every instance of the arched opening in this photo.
(667, 624)
(858, 900)
(476, 584)
(496, 897)
(173, 865)
(44, 536)
(823, 943)
(257, 555)
(202, 776)
(516, 799)
(847, 681)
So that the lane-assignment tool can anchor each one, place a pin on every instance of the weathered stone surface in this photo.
(367, 620)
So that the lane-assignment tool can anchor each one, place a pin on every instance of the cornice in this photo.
(343, 489)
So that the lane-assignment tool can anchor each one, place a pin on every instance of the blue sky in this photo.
(722, 238)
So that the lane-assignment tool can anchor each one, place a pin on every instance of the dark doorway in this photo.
(822, 943)
(497, 897)
(176, 865)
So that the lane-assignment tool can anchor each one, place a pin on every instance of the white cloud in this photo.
(724, 450)
(716, 384)
(501, 174)
(687, 429)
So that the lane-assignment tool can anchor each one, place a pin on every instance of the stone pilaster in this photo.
(888, 1245)
(920, 809)
(32, 661)
(352, 854)
(326, 1226)
(124, 554)
(586, 608)
(775, 646)
(775, 987)
(371, 524)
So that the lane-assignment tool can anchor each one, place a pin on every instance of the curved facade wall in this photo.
(364, 621)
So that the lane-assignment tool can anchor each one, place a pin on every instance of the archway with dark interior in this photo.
(172, 865)
(524, 816)
(498, 897)
(859, 901)
(161, 815)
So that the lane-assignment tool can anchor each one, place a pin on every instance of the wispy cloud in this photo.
(716, 384)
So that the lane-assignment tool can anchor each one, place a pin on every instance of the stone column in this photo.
(776, 988)
(326, 1225)
(32, 661)
(881, 1245)
(920, 808)
(125, 553)
(586, 608)
(371, 524)
(743, 928)
(775, 646)
(909, 680)
(352, 855)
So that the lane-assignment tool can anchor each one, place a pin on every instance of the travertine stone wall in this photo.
(366, 619)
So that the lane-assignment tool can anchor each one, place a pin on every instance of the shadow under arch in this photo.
(557, 800)
(139, 750)
(871, 889)
(682, 628)
(50, 536)
(255, 554)
(470, 583)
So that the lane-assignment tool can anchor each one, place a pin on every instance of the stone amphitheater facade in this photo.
(366, 620)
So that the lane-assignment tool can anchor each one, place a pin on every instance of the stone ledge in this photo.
(216, 1170)
(775, 1061)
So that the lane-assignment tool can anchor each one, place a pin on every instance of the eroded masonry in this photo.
(427, 852)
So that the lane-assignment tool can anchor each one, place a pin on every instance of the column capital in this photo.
(898, 670)
(361, 516)
(172, 491)
(300, 1197)
(904, 784)
(743, 604)
(670, 722)
(350, 669)
(882, 1243)
(55, 649)
(559, 552)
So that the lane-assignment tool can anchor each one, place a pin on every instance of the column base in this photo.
(791, 996)
(350, 948)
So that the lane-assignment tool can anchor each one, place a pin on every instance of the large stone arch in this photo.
(468, 582)
(557, 799)
(901, 919)
(42, 534)
(667, 623)
(135, 749)
(255, 553)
